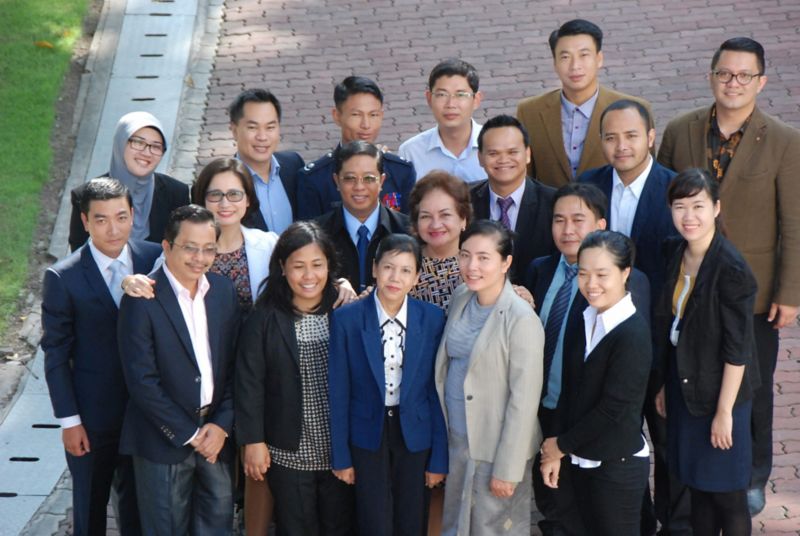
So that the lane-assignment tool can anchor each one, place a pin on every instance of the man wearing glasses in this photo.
(452, 145)
(362, 221)
(756, 158)
(563, 123)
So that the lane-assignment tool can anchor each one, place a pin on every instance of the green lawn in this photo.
(30, 81)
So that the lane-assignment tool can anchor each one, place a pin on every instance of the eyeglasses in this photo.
(215, 196)
(458, 95)
(366, 179)
(138, 144)
(724, 77)
(210, 251)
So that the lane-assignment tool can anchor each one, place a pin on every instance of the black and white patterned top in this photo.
(393, 339)
(314, 452)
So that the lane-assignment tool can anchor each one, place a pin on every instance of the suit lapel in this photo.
(373, 346)
(528, 209)
(95, 279)
(551, 118)
(756, 132)
(169, 302)
(481, 205)
(646, 203)
(592, 151)
(286, 328)
(413, 345)
(697, 140)
(214, 323)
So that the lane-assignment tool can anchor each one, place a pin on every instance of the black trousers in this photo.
(308, 503)
(390, 484)
(93, 476)
(609, 497)
(761, 417)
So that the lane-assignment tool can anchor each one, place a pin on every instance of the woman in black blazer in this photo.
(604, 384)
(705, 321)
(281, 397)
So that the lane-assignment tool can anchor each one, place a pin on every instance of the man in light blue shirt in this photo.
(452, 145)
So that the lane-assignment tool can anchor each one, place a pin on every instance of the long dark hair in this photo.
(277, 292)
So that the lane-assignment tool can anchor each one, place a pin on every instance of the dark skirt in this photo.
(690, 455)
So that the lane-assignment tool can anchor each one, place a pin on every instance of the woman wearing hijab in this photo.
(138, 146)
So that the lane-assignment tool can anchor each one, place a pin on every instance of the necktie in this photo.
(117, 275)
(505, 203)
(554, 320)
(361, 246)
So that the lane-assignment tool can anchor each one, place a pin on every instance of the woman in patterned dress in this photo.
(281, 393)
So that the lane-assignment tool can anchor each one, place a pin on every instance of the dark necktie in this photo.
(555, 319)
(505, 203)
(362, 246)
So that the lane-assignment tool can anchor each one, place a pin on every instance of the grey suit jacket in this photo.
(503, 383)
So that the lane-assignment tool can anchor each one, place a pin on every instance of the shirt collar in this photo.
(714, 124)
(516, 195)
(352, 223)
(274, 168)
(103, 261)
(436, 142)
(611, 317)
(400, 317)
(183, 292)
(637, 185)
(585, 109)
(563, 263)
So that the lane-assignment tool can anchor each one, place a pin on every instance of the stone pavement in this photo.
(655, 49)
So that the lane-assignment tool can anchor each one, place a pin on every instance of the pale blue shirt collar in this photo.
(352, 223)
(383, 316)
(103, 261)
(435, 141)
(585, 109)
(638, 183)
(274, 168)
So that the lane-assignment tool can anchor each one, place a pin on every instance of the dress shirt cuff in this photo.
(70, 422)
(193, 436)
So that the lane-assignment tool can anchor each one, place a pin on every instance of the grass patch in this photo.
(36, 42)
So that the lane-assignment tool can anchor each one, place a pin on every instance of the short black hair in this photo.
(190, 213)
(505, 238)
(103, 189)
(691, 182)
(399, 243)
(592, 196)
(627, 104)
(226, 165)
(353, 85)
(454, 67)
(577, 27)
(236, 108)
(345, 152)
(500, 121)
(278, 292)
(742, 44)
(621, 247)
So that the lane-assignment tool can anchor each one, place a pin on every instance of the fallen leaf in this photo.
(44, 44)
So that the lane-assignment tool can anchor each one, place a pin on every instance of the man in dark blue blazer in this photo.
(504, 152)
(358, 112)
(255, 117)
(177, 354)
(578, 210)
(82, 365)
(636, 187)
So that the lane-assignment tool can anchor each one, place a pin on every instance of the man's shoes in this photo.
(756, 501)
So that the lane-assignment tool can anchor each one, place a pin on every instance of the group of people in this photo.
(377, 344)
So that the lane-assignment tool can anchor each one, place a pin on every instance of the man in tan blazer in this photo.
(564, 124)
(756, 158)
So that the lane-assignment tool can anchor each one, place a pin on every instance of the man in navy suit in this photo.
(255, 122)
(522, 204)
(358, 111)
(177, 354)
(82, 365)
(578, 209)
(636, 186)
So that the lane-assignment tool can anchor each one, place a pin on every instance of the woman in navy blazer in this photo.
(388, 434)
(705, 321)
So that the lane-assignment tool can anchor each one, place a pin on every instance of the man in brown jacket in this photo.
(756, 158)
(564, 124)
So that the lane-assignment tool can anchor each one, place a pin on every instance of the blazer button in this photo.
(197, 379)
(469, 397)
(685, 380)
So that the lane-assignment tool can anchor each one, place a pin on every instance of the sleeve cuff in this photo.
(70, 422)
(193, 436)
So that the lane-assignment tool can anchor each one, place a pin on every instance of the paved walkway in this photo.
(652, 48)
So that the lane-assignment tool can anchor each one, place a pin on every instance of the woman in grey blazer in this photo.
(489, 378)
